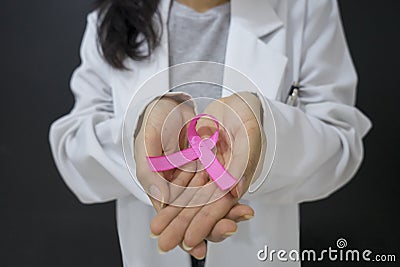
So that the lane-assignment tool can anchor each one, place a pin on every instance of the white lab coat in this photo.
(318, 143)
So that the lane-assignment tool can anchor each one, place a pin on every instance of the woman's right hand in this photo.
(157, 137)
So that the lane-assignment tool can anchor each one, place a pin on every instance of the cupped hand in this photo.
(156, 137)
(239, 150)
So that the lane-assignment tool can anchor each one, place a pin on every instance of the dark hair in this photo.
(126, 28)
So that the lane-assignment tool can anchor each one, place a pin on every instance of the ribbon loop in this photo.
(199, 149)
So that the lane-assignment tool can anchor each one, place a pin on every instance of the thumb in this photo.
(152, 182)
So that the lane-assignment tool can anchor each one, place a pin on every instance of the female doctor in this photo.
(275, 43)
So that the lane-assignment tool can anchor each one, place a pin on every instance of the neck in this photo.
(202, 5)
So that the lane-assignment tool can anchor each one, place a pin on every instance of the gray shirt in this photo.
(195, 36)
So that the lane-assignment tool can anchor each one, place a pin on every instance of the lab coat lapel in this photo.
(246, 53)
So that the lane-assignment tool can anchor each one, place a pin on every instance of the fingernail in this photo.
(153, 236)
(162, 205)
(247, 217)
(185, 247)
(156, 193)
(161, 251)
(227, 234)
(199, 258)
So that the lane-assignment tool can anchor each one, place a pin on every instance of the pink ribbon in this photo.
(199, 149)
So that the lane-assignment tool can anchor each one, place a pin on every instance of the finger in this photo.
(202, 224)
(223, 229)
(174, 233)
(240, 212)
(154, 185)
(165, 216)
(198, 192)
(240, 188)
(180, 181)
(199, 252)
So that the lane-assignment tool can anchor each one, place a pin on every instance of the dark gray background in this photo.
(43, 224)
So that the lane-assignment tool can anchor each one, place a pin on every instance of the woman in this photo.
(273, 43)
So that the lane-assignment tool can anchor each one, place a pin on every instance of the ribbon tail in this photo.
(217, 172)
(172, 161)
(222, 178)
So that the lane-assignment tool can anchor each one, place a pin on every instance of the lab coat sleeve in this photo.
(318, 144)
(86, 143)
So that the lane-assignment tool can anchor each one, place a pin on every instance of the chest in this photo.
(268, 60)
